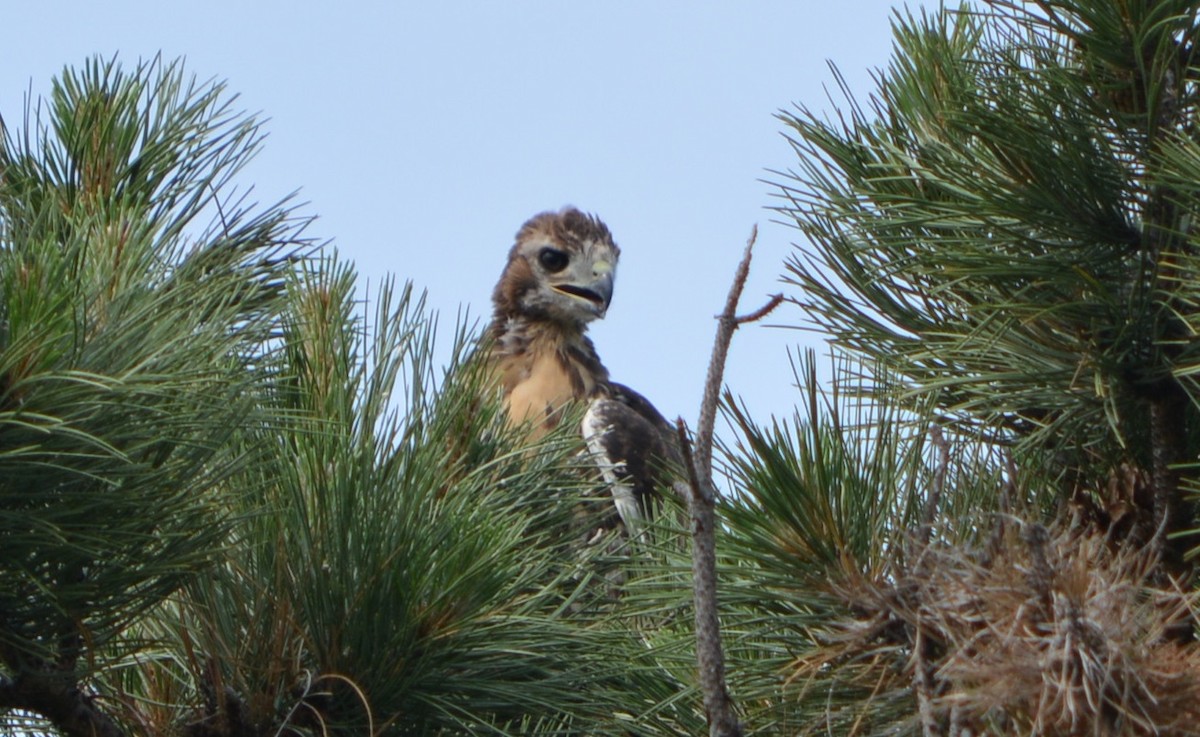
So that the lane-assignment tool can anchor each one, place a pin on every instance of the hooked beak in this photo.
(596, 294)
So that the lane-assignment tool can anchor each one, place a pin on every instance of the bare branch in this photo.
(710, 657)
(727, 322)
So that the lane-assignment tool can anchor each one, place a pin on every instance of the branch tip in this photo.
(761, 312)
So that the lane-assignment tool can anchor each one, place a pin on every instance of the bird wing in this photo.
(635, 448)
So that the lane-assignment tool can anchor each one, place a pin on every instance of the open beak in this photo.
(597, 294)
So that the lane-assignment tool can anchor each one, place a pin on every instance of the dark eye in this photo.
(552, 259)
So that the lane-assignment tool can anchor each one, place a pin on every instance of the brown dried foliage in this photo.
(1053, 632)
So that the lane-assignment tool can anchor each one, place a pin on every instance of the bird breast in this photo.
(539, 383)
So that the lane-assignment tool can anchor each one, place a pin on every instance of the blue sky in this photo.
(423, 134)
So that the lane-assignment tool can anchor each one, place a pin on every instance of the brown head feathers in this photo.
(568, 252)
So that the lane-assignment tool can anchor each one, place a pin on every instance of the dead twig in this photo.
(1008, 493)
(939, 483)
(925, 686)
(701, 496)
(761, 312)
(924, 681)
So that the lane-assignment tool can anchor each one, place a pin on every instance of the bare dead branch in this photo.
(727, 322)
(1009, 492)
(710, 656)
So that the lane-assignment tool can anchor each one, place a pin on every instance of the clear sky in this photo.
(423, 134)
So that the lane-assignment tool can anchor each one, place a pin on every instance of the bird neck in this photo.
(516, 335)
(528, 349)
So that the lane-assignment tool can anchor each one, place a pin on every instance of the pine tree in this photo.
(135, 299)
(235, 502)
(1013, 228)
(231, 503)
(985, 526)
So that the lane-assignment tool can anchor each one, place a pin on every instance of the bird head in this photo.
(561, 269)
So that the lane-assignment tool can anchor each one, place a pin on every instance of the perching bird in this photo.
(559, 277)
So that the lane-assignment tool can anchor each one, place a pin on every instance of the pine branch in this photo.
(701, 495)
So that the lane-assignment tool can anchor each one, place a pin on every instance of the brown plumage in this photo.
(559, 277)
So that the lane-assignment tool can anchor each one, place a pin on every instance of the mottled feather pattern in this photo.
(559, 277)
(634, 445)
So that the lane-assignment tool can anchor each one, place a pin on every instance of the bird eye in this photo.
(552, 259)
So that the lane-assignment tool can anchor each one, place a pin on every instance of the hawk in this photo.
(559, 277)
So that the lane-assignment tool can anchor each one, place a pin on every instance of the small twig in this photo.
(924, 686)
(924, 680)
(939, 483)
(710, 657)
(1008, 492)
(1040, 575)
(761, 312)
(956, 722)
